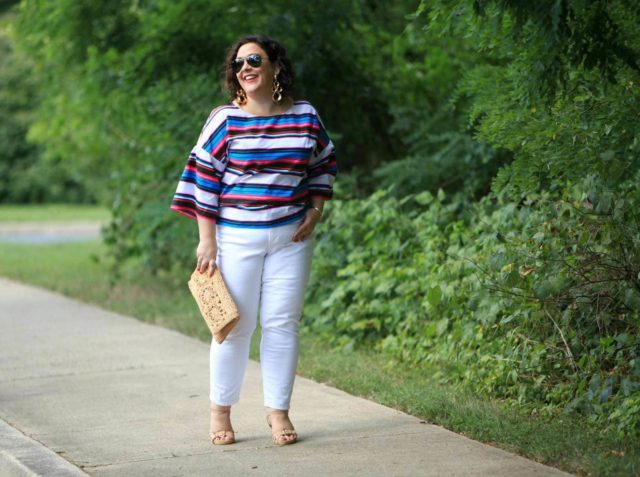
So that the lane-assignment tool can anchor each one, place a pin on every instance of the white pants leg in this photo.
(264, 270)
(284, 279)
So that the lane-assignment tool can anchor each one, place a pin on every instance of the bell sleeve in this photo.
(200, 183)
(322, 168)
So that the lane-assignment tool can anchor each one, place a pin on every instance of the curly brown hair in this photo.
(277, 56)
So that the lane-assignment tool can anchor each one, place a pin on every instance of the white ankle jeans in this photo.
(266, 273)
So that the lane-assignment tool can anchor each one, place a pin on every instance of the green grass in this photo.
(568, 442)
(52, 212)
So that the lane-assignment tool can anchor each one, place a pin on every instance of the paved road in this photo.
(49, 232)
(86, 391)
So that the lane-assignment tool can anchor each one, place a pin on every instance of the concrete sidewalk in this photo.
(86, 391)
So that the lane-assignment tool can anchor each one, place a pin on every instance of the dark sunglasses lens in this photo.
(236, 65)
(254, 60)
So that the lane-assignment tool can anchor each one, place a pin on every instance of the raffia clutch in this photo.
(216, 304)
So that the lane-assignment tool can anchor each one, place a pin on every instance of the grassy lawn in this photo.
(52, 212)
(567, 443)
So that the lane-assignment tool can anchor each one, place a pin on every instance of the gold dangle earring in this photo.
(276, 90)
(241, 96)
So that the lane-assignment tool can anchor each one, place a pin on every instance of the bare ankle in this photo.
(220, 409)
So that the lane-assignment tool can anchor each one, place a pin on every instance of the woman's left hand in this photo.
(304, 231)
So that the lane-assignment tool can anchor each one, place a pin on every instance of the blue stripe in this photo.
(207, 185)
(189, 176)
(270, 154)
(215, 138)
(200, 182)
(276, 191)
(263, 224)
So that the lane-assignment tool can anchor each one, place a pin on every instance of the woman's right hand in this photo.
(206, 256)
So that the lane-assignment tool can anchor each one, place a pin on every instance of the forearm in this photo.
(318, 202)
(206, 230)
(207, 248)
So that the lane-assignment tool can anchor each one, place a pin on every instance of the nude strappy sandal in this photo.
(278, 435)
(218, 438)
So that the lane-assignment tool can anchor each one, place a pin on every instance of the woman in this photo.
(256, 182)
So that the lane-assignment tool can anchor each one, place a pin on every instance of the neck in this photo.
(265, 105)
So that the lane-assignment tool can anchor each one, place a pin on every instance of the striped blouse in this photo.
(257, 171)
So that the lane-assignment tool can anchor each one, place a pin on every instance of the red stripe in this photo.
(275, 126)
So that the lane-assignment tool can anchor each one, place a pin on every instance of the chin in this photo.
(253, 88)
(250, 89)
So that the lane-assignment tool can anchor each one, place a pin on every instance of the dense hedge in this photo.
(521, 301)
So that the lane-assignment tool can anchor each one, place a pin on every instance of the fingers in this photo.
(212, 267)
(299, 230)
(302, 233)
(299, 233)
(202, 265)
(306, 228)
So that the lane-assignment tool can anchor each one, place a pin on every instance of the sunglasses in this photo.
(254, 60)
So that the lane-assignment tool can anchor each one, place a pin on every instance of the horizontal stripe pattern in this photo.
(257, 171)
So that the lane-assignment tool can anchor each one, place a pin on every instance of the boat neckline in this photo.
(263, 115)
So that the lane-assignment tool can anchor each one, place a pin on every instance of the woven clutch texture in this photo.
(216, 305)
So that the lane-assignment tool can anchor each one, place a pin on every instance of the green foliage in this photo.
(555, 36)
(518, 302)
(429, 120)
(585, 132)
(26, 178)
(532, 295)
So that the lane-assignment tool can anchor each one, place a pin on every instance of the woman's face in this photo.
(256, 81)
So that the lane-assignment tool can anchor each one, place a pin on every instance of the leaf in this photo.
(604, 204)
(434, 295)
(430, 330)
(424, 198)
(441, 326)
(607, 156)
(632, 299)
(627, 387)
(606, 392)
(543, 290)
(525, 271)
(507, 268)
(384, 287)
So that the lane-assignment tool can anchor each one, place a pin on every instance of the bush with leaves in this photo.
(481, 295)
